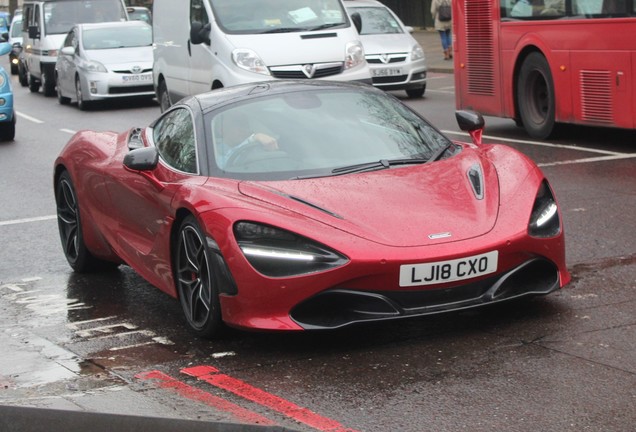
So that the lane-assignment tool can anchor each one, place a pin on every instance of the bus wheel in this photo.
(535, 93)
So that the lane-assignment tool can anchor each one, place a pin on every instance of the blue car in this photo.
(7, 114)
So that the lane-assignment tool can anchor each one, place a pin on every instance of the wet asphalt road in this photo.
(112, 343)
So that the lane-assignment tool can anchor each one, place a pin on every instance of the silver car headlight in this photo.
(250, 61)
(417, 52)
(544, 220)
(354, 54)
(93, 66)
(276, 252)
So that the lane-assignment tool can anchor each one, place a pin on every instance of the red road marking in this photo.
(303, 415)
(241, 414)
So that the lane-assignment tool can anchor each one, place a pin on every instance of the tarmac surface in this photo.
(432, 45)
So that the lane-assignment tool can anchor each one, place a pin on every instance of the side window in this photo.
(70, 39)
(198, 12)
(174, 137)
(36, 16)
(26, 20)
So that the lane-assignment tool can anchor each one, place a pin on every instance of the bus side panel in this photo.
(478, 81)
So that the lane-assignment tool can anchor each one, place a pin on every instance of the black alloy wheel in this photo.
(197, 279)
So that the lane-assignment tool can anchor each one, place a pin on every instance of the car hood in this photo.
(321, 47)
(388, 43)
(122, 58)
(409, 206)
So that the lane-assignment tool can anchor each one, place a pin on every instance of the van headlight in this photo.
(544, 220)
(354, 54)
(276, 252)
(250, 61)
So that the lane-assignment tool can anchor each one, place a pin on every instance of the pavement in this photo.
(432, 45)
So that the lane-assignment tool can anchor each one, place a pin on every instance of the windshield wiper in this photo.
(381, 164)
(325, 26)
(439, 153)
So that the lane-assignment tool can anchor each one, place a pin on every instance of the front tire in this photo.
(82, 104)
(48, 84)
(63, 100)
(70, 227)
(196, 277)
(7, 130)
(535, 93)
(163, 97)
(34, 84)
(416, 93)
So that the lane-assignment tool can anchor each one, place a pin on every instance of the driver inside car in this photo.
(234, 135)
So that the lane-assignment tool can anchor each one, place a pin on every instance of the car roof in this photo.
(215, 98)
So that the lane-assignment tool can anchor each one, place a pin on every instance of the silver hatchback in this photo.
(103, 61)
(396, 59)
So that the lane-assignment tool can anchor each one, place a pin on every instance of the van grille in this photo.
(298, 71)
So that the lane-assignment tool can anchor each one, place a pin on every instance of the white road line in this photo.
(27, 220)
(28, 117)
(544, 144)
(588, 160)
(69, 131)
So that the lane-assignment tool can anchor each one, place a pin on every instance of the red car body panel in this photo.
(130, 216)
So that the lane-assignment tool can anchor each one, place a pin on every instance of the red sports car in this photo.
(309, 205)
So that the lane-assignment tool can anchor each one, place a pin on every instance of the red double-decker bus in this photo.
(545, 62)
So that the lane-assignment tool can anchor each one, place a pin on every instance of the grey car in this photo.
(104, 61)
(396, 60)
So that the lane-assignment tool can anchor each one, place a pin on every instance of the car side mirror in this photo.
(199, 33)
(142, 159)
(357, 21)
(34, 32)
(471, 122)
(68, 50)
(4, 37)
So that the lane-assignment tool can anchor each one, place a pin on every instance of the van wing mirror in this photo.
(199, 33)
(357, 21)
(34, 32)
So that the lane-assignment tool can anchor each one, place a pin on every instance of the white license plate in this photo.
(126, 79)
(386, 72)
(448, 271)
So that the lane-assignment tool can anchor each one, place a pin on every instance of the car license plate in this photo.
(448, 271)
(386, 72)
(126, 79)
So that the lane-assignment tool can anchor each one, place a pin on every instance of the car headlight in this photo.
(93, 66)
(2, 80)
(544, 221)
(276, 252)
(354, 54)
(249, 60)
(417, 52)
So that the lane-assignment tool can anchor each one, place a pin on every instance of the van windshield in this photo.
(60, 16)
(278, 16)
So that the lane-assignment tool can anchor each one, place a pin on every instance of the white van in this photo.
(201, 45)
(45, 24)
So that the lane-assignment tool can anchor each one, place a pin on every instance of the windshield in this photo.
(117, 37)
(270, 16)
(16, 29)
(320, 133)
(60, 16)
(377, 20)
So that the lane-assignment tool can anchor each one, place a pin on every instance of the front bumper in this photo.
(99, 86)
(339, 307)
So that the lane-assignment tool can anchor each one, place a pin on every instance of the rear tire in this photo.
(535, 95)
(22, 75)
